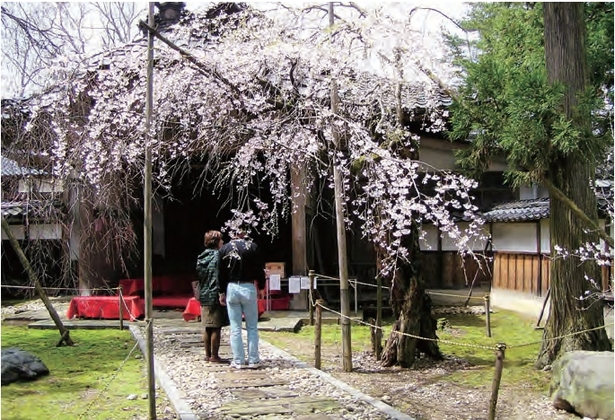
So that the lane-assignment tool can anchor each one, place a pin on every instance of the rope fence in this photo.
(499, 348)
(355, 282)
(90, 405)
(72, 289)
(119, 293)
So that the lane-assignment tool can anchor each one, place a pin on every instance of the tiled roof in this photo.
(12, 168)
(31, 208)
(519, 211)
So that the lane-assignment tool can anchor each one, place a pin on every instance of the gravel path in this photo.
(198, 382)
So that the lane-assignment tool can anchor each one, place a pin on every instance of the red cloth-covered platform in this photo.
(168, 292)
(105, 307)
(193, 309)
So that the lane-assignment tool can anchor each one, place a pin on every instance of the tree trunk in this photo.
(410, 304)
(569, 313)
(412, 310)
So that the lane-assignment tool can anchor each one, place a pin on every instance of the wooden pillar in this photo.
(299, 232)
(539, 252)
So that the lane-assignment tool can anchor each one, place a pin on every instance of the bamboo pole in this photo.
(147, 219)
(318, 334)
(64, 333)
(497, 377)
(341, 232)
(487, 315)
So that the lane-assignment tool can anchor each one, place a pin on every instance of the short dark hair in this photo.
(212, 238)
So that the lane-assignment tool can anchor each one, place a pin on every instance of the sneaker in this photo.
(254, 365)
(236, 365)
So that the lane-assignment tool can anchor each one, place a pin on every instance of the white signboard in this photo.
(305, 283)
(294, 285)
(275, 282)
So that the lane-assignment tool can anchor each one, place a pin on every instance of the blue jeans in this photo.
(242, 299)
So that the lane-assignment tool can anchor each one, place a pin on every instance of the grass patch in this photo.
(77, 376)
(506, 327)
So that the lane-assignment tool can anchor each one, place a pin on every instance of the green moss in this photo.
(506, 327)
(77, 376)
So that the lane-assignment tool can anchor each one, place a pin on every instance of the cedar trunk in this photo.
(565, 59)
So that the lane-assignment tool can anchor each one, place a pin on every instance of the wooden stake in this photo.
(311, 297)
(120, 298)
(64, 334)
(378, 347)
(544, 305)
(497, 377)
(318, 333)
(487, 315)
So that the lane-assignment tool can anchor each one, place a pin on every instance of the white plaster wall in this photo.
(545, 236)
(41, 185)
(514, 237)
(448, 244)
(430, 242)
(46, 231)
(533, 191)
(17, 230)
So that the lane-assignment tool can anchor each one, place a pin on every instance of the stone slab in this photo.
(263, 393)
(243, 374)
(246, 382)
(295, 405)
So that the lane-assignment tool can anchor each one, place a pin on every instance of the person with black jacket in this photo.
(242, 275)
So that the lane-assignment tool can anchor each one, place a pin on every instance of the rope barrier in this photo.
(102, 391)
(412, 335)
(561, 336)
(8, 286)
(453, 295)
(457, 343)
(388, 288)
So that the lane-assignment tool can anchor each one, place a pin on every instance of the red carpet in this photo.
(170, 301)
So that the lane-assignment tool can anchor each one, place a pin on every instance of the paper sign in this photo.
(274, 282)
(294, 285)
(305, 283)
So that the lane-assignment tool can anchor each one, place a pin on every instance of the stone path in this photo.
(272, 392)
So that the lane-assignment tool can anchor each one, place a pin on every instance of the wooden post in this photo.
(378, 350)
(499, 364)
(120, 299)
(318, 333)
(342, 257)
(544, 305)
(311, 297)
(487, 315)
(64, 333)
(147, 219)
(356, 298)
